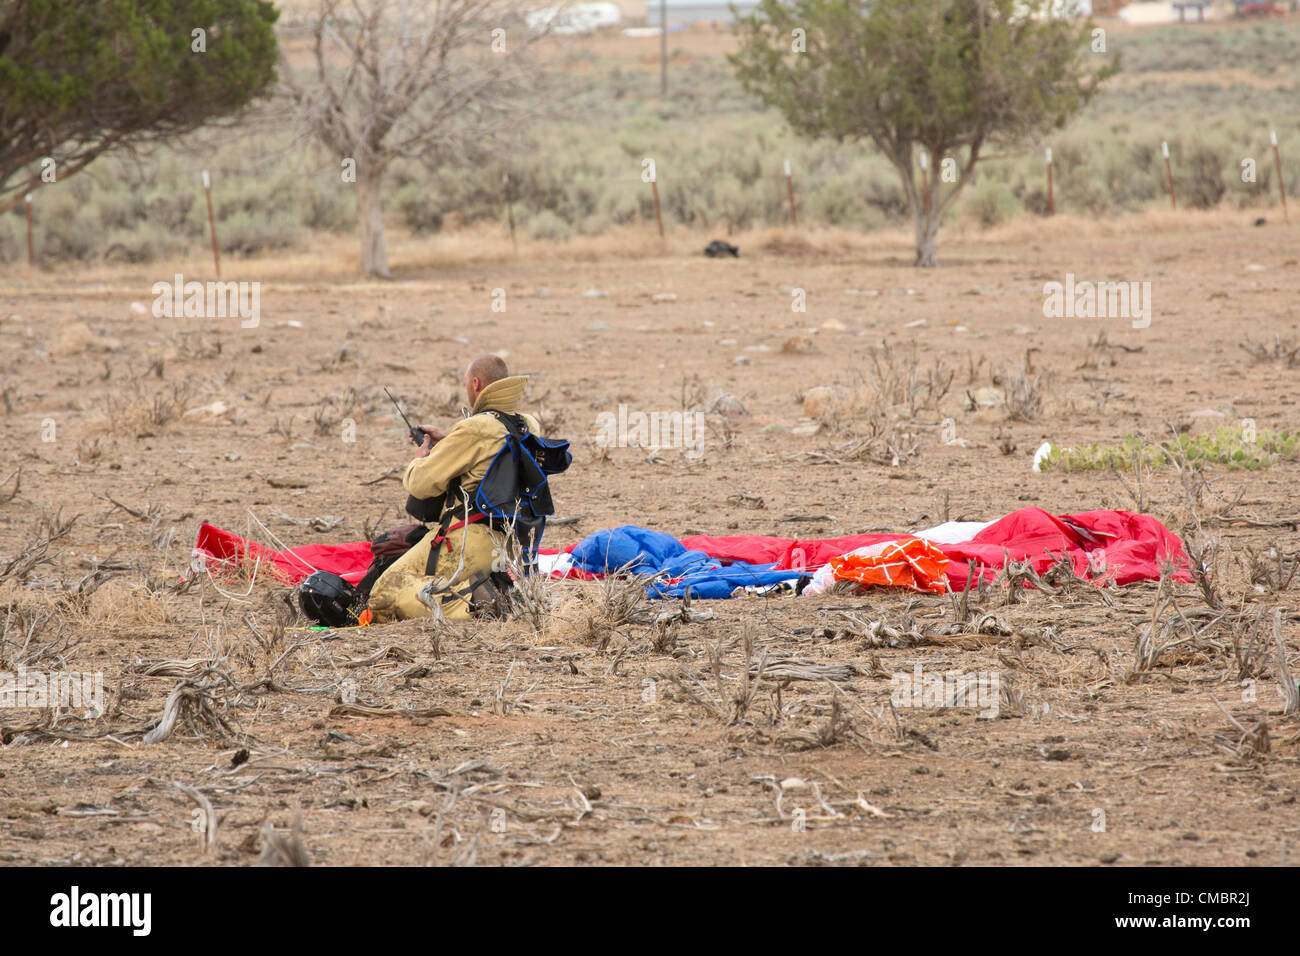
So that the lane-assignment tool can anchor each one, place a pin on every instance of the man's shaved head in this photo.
(482, 372)
(487, 369)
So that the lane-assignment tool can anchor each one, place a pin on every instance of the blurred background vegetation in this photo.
(1212, 92)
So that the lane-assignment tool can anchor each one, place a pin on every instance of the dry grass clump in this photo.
(837, 727)
(28, 617)
(138, 412)
(594, 612)
(119, 604)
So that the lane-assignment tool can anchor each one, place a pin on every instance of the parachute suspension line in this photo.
(275, 540)
(230, 595)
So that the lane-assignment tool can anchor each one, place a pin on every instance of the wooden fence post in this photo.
(1051, 198)
(1169, 173)
(789, 187)
(1281, 186)
(212, 223)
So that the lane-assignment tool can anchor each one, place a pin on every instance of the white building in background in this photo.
(1059, 9)
(576, 19)
(697, 11)
(1152, 13)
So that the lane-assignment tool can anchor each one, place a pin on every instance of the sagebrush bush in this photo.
(11, 246)
(246, 233)
(547, 225)
(142, 243)
(991, 203)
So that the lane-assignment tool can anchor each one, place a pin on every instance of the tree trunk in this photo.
(925, 222)
(370, 220)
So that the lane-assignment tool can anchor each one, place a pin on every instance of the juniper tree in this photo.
(80, 78)
(946, 77)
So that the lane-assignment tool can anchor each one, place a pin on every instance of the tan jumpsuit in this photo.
(465, 453)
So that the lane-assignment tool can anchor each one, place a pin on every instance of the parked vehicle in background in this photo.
(575, 20)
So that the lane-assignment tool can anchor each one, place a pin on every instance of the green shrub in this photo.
(328, 206)
(1225, 445)
(140, 244)
(245, 233)
(114, 209)
(12, 249)
(420, 211)
(1199, 179)
(547, 225)
(991, 203)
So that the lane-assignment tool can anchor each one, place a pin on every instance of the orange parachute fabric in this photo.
(909, 563)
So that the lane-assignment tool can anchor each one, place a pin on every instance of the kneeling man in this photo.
(455, 559)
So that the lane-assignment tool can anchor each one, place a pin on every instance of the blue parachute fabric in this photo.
(642, 551)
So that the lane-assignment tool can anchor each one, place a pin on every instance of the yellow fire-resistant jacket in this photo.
(470, 447)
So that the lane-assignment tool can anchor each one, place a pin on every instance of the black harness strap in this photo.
(451, 497)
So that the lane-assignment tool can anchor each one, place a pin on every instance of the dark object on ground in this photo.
(717, 249)
(1260, 221)
(328, 599)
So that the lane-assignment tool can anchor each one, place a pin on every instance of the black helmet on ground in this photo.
(328, 599)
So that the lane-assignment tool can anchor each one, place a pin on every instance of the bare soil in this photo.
(583, 745)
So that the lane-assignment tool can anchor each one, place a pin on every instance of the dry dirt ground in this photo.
(598, 742)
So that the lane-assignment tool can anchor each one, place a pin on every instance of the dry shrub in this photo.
(29, 634)
(592, 613)
(901, 386)
(29, 618)
(140, 413)
(893, 386)
(1271, 569)
(283, 849)
(786, 242)
(1286, 351)
(1024, 389)
(47, 529)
